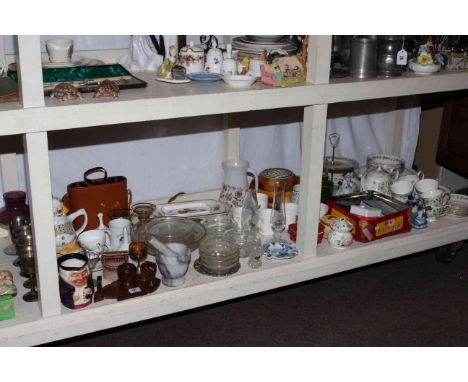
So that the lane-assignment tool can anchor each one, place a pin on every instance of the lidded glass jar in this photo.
(141, 215)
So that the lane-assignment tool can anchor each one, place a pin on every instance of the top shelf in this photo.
(165, 101)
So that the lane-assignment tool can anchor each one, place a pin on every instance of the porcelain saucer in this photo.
(204, 77)
(279, 251)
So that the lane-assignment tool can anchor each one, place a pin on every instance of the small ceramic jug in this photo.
(378, 180)
(229, 64)
(75, 281)
(214, 59)
(340, 235)
(65, 234)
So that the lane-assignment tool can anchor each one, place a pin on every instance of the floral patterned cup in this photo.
(435, 202)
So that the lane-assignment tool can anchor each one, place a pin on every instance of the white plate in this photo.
(77, 61)
(172, 81)
(264, 38)
(49, 65)
(458, 201)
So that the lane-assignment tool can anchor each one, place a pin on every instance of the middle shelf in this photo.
(165, 101)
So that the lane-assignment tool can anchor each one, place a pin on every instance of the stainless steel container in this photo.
(363, 59)
(387, 50)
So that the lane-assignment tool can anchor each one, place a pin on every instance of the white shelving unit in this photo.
(47, 320)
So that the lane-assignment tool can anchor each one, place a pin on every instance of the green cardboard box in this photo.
(7, 307)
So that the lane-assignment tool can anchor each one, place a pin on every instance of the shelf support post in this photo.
(313, 146)
(40, 198)
(231, 140)
(38, 177)
(30, 71)
(313, 143)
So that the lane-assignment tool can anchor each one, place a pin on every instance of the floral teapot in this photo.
(65, 234)
(340, 235)
(378, 180)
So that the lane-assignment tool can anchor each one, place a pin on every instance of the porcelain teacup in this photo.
(401, 190)
(435, 202)
(93, 240)
(425, 185)
(412, 177)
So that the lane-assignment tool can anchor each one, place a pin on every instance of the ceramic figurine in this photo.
(107, 88)
(165, 70)
(214, 59)
(65, 92)
(347, 185)
(418, 212)
(65, 234)
(271, 75)
(141, 54)
(75, 281)
(229, 65)
(340, 235)
(292, 69)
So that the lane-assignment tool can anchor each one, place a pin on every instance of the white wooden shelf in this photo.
(47, 320)
(199, 290)
(165, 101)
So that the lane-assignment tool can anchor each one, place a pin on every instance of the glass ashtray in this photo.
(219, 256)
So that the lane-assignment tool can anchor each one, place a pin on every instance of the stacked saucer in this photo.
(254, 46)
(458, 205)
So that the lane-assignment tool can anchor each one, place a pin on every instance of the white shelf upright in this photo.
(313, 141)
(38, 177)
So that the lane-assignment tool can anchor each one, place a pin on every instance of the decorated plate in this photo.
(279, 251)
(204, 77)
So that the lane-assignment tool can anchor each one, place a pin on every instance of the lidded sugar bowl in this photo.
(192, 58)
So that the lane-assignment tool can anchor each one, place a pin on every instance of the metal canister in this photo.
(363, 59)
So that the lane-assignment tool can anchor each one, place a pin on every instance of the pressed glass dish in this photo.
(219, 256)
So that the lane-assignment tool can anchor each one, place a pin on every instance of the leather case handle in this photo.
(95, 170)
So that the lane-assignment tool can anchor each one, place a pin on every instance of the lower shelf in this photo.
(199, 290)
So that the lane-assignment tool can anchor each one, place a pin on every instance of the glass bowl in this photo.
(219, 256)
(172, 229)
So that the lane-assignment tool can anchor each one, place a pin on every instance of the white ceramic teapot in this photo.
(340, 235)
(214, 59)
(378, 180)
(65, 234)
